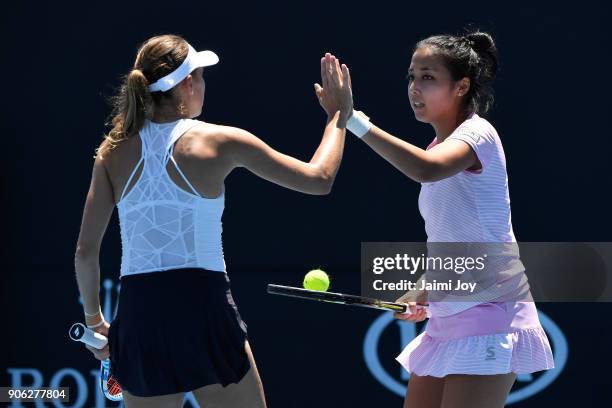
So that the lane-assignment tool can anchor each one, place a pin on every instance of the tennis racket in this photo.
(340, 298)
(109, 386)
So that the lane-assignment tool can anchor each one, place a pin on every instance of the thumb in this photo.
(318, 89)
(346, 76)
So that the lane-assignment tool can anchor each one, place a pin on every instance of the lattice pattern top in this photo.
(164, 227)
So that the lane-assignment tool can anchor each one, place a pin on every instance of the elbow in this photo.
(326, 188)
(85, 253)
(324, 183)
(321, 187)
(319, 181)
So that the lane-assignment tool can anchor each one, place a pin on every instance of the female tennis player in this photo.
(177, 328)
(470, 352)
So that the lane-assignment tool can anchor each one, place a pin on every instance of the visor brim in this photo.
(206, 59)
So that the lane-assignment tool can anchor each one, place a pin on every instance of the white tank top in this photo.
(164, 227)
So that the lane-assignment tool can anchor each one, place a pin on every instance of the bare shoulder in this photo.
(218, 133)
(204, 138)
(124, 153)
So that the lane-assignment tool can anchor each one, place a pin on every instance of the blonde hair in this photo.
(133, 103)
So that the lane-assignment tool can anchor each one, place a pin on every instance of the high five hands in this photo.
(335, 94)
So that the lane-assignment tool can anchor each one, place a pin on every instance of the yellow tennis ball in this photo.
(316, 279)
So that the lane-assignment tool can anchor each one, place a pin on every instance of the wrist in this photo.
(335, 116)
(93, 326)
(358, 123)
(94, 319)
(344, 117)
(93, 313)
(93, 322)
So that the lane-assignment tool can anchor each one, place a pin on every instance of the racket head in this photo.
(333, 297)
(108, 384)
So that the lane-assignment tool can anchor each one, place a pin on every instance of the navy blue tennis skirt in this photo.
(176, 331)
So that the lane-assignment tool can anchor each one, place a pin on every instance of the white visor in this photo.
(194, 60)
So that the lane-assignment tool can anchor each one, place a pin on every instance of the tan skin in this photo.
(437, 99)
(207, 154)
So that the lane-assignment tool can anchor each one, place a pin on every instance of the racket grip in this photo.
(78, 332)
(418, 307)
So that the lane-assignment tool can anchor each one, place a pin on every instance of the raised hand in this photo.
(335, 94)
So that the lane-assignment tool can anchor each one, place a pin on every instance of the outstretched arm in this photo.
(317, 175)
(442, 161)
(313, 177)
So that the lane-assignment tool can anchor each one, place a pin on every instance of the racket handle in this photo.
(78, 332)
(418, 307)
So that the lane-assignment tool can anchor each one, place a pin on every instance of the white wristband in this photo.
(359, 124)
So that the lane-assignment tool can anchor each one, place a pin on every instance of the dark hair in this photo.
(133, 103)
(472, 55)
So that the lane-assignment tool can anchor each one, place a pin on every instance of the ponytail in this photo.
(134, 103)
(138, 102)
(131, 108)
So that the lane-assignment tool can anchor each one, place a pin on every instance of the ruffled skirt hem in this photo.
(522, 351)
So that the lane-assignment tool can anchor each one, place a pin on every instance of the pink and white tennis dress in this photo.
(492, 336)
